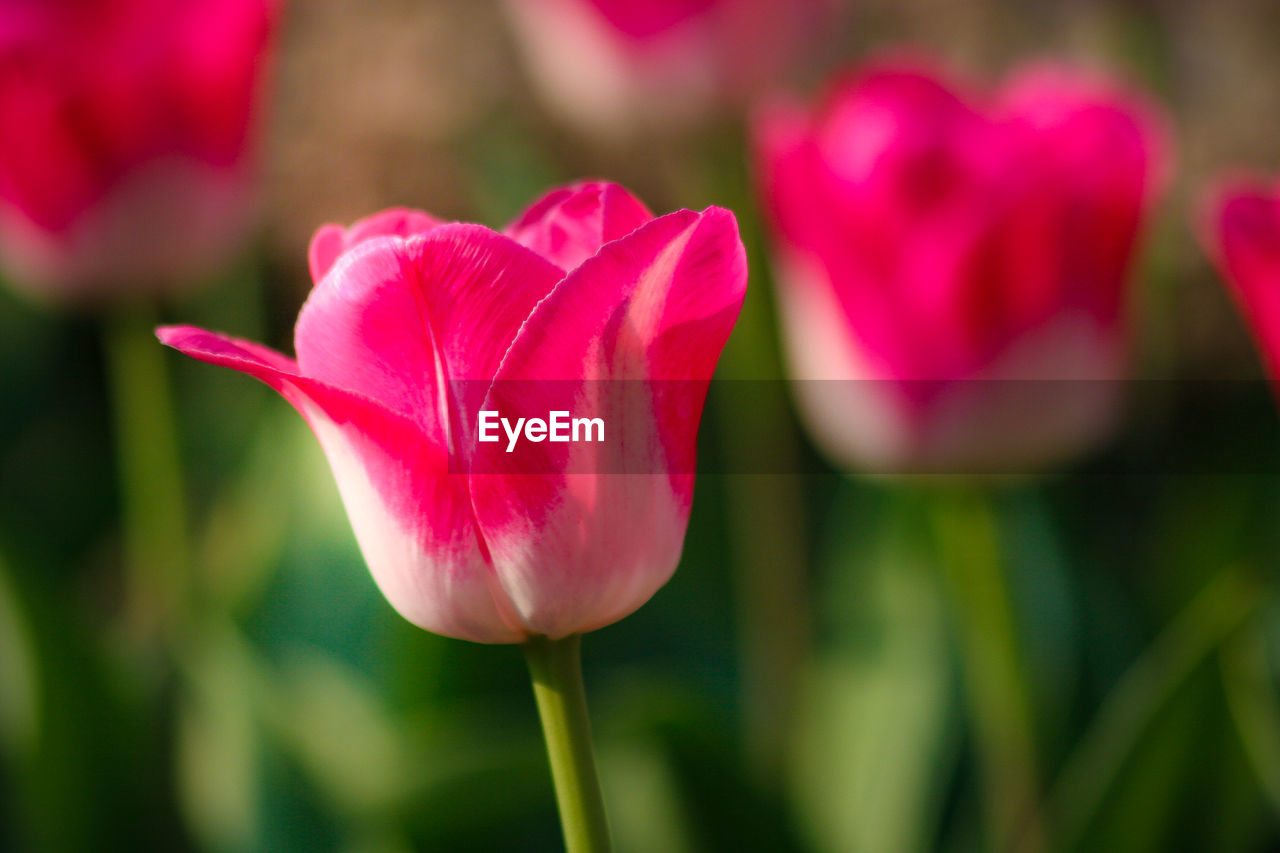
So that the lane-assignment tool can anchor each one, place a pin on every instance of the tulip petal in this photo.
(410, 514)
(1243, 234)
(570, 224)
(786, 164)
(332, 241)
(397, 320)
(867, 191)
(1102, 156)
(638, 329)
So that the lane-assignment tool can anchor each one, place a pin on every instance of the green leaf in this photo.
(218, 743)
(1254, 702)
(1125, 719)
(875, 743)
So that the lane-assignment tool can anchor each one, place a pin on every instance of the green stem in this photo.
(154, 505)
(768, 545)
(770, 592)
(996, 688)
(556, 669)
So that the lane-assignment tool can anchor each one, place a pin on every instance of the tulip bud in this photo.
(952, 270)
(428, 353)
(1241, 232)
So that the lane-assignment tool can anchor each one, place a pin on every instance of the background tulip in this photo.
(944, 257)
(1241, 231)
(609, 65)
(131, 170)
(414, 323)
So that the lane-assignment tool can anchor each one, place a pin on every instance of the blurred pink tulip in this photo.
(958, 265)
(414, 325)
(610, 65)
(1241, 231)
(124, 156)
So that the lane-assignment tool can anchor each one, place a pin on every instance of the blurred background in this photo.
(811, 679)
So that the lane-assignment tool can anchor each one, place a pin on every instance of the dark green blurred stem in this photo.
(151, 488)
(996, 689)
(770, 593)
(556, 669)
(772, 616)
(1126, 714)
(764, 512)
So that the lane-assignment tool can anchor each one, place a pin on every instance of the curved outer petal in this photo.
(887, 186)
(1103, 155)
(412, 323)
(1240, 229)
(570, 224)
(331, 242)
(410, 515)
(635, 333)
(786, 164)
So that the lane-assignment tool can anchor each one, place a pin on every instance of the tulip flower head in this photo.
(1241, 231)
(952, 268)
(610, 65)
(125, 157)
(416, 328)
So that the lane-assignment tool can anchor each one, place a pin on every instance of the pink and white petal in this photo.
(479, 288)
(400, 320)
(582, 533)
(607, 319)
(363, 329)
(570, 224)
(410, 514)
(332, 241)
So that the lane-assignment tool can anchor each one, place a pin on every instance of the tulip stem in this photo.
(996, 687)
(149, 469)
(556, 669)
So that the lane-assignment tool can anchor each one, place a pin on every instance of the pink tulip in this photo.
(414, 326)
(957, 264)
(1241, 231)
(124, 157)
(609, 65)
